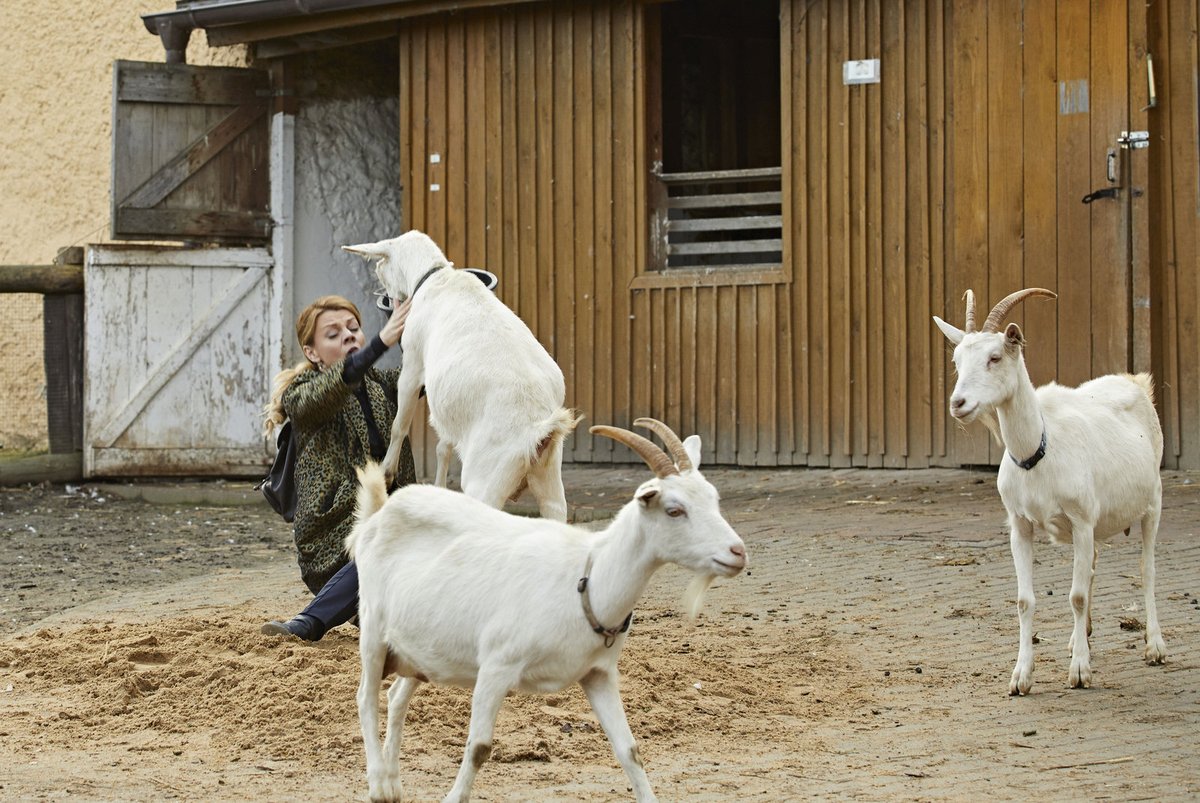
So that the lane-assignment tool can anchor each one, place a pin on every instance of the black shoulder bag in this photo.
(279, 486)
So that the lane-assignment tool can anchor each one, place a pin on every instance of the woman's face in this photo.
(337, 334)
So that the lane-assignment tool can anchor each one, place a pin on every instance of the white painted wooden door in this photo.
(177, 361)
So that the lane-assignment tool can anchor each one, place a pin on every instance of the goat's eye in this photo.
(676, 512)
(995, 358)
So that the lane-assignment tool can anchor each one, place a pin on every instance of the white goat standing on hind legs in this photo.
(454, 592)
(494, 393)
(1082, 464)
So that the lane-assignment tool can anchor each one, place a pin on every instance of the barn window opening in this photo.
(716, 184)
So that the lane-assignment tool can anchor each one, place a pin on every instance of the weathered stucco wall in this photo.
(347, 192)
(55, 124)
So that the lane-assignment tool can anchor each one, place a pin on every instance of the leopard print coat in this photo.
(331, 439)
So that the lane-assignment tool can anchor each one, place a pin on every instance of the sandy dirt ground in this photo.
(865, 655)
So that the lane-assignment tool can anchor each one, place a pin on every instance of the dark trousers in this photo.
(337, 601)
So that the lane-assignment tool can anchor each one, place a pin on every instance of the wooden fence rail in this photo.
(48, 280)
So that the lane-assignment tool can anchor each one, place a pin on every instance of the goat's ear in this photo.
(1013, 337)
(367, 250)
(691, 445)
(648, 492)
(952, 333)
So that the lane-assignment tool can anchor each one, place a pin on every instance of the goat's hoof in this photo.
(1156, 652)
(1021, 683)
(385, 789)
(1080, 676)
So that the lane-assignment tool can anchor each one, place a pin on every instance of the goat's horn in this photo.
(970, 297)
(1001, 310)
(674, 445)
(655, 458)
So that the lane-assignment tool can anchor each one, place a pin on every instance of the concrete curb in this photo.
(42, 468)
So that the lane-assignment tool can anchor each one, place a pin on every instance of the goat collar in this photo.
(1037, 456)
(421, 281)
(610, 633)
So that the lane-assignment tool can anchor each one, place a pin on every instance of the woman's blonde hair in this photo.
(306, 331)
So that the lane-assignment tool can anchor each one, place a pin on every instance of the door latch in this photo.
(1134, 139)
(1096, 195)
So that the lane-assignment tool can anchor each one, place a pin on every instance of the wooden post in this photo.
(62, 322)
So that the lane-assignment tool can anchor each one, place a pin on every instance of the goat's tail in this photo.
(372, 494)
(1145, 382)
(556, 428)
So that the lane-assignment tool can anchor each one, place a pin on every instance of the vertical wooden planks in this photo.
(1141, 293)
(916, 133)
(607, 316)
(1075, 161)
(510, 285)
(631, 332)
(1181, 132)
(1040, 193)
(475, 131)
(746, 422)
(586, 279)
(792, 362)
(1005, 195)
(435, 123)
(563, 266)
(543, 167)
(1110, 276)
(936, 61)
(898, 197)
(454, 148)
(882, 275)
(524, 173)
(765, 340)
(966, 202)
(493, 155)
(726, 367)
(820, 377)
(708, 337)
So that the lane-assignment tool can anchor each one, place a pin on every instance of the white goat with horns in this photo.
(1082, 464)
(454, 592)
(494, 393)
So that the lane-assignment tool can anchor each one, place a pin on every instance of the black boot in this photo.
(301, 625)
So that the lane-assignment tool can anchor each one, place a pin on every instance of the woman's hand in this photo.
(394, 328)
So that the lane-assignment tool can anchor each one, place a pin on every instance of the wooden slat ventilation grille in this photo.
(724, 218)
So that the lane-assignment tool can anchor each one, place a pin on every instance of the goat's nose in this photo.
(738, 550)
(956, 402)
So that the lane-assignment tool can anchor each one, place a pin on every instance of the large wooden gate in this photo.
(1043, 188)
(179, 339)
(177, 360)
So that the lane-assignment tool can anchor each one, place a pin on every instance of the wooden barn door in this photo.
(176, 360)
(1102, 280)
(190, 153)
(1048, 183)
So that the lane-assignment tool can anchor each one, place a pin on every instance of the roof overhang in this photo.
(278, 27)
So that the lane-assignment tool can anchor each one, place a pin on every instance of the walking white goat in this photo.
(1082, 465)
(494, 393)
(454, 592)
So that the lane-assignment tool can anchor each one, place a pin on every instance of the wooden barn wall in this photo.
(532, 112)
(1175, 212)
(898, 197)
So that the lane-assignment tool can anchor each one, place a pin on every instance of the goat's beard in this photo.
(693, 598)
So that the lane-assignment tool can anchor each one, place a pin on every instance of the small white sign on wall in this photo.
(863, 71)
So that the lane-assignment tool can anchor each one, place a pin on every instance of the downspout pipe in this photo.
(175, 27)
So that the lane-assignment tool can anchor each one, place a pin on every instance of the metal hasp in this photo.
(1134, 139)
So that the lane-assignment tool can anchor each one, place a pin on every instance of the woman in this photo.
(341, 410)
